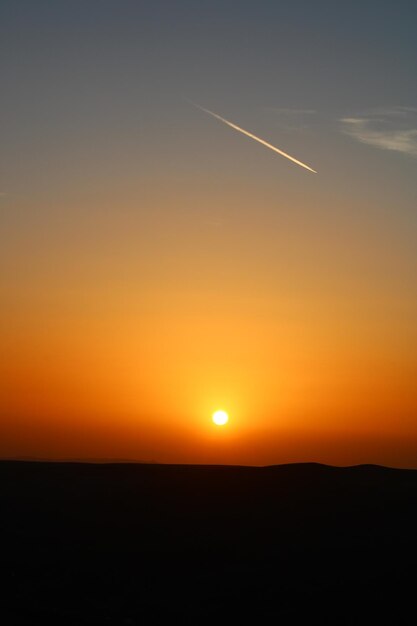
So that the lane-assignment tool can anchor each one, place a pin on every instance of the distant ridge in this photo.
(88, 460)
(314, 466)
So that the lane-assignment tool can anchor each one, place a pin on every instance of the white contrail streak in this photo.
(258, 139)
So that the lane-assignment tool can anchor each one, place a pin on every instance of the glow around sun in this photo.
(220, 418)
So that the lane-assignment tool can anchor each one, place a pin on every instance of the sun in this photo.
(220, 418)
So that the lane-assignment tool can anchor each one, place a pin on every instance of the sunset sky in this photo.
(156, 265)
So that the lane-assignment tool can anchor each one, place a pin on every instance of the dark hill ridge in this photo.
(150, 544)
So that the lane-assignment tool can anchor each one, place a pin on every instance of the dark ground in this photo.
(153, 544)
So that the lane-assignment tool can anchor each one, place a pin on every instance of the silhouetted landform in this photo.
(157, 544)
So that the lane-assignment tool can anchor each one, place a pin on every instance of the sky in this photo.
(156, 265)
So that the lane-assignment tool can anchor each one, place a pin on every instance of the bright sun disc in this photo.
(220, 418)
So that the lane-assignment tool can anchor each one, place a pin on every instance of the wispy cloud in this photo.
(293, 112)
(385, 128)
(293, 119)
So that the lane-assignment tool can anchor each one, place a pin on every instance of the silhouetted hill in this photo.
(150, 544)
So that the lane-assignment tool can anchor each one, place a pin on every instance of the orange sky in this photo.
(122, 337)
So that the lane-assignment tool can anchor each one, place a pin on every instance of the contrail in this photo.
(258, 139)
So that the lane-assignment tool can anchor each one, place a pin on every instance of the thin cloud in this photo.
(293, 112)
(385, 128)
(388, 112)
(293, 119)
